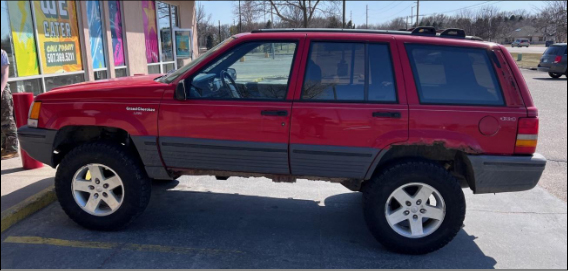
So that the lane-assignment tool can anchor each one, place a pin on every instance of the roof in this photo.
(525, 31)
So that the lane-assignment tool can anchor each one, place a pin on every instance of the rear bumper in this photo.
(500, 174)
(552, 68)
(38, 143)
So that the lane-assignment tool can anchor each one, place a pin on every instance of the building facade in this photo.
(57, 43)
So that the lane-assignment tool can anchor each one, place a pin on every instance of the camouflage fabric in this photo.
(9, 130)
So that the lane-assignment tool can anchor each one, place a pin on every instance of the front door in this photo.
(237, 114)
(351, 106)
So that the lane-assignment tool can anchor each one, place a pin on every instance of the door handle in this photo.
(275, 113)
(389, 115)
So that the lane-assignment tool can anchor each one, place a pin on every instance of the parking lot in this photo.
(533, 49)
(199, 222)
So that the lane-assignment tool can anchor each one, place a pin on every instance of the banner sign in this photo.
(58, 36)
(150, 31)
(115, 15)
(183, 43)
(96, 34)
(23, 38)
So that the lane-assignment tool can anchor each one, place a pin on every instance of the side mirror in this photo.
(233, 73)
(180, 94)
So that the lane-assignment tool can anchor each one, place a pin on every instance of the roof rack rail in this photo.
(453, 33)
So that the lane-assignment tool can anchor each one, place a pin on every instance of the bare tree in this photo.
(250, 11)
(304, 11)
(552, 20)
(203, 20)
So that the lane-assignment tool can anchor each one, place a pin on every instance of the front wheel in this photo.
(555, 75)
(414, 207)
(102, 186)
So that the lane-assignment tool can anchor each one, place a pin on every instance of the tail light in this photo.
(527, 136)
(558, 59)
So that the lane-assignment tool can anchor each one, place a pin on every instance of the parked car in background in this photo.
(549, 43)
(406, 118)
(521, 43)
(553, 61)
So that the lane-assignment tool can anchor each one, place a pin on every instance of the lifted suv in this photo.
(407, 118)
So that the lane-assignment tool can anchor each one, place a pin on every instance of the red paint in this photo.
(22, 104)
(474, 129)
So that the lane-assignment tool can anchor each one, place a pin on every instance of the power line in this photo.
(405, 9)
(464, 8)
(385, 10)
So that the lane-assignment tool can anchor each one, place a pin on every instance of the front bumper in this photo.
(500, 174)
(38, 143)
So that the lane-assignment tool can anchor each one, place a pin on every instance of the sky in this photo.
(384, 11)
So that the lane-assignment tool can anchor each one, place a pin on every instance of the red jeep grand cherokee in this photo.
(407, 118)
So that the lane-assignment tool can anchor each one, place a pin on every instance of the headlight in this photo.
(34, 114)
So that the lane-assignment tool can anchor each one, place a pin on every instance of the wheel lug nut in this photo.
(423, 211)
(97, 181)
(91, 187)
(406, 212)
(419, 202)
(408, 203)
(105, 186)
(415, 217)
(96, 196)
(105, 195)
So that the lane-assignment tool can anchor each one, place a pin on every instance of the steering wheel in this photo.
(230, 83)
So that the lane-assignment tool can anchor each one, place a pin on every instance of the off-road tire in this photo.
(137, 185)
(378, 190)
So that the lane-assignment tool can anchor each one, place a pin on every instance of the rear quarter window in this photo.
(454, 76)
(556, 51)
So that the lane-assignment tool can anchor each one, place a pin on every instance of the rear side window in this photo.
(556, 51)
(349, 72)
(454, 76)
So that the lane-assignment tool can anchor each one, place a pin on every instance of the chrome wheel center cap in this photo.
(99, 189)
(414, 210)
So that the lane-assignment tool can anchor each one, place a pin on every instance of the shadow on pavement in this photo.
(551, 79)
(12, 170)
(268, 233)
(22, 194)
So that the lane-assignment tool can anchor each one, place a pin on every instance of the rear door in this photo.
(465, 96)
(351, 104)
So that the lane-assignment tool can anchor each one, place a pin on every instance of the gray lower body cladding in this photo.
(224, 155)
(499, 174)
(38, 143)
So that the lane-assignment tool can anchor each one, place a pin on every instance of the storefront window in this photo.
(175, 17)
(165, 26)
(58, 35)
(154, 69)
(150, 31)
(63, 80)
(96, 35)
(115, 15)
(18, 38)
(122, 72)
(31, 86)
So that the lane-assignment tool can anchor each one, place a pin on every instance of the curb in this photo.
(27, 207)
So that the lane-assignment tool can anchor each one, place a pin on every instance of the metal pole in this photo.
(344, 24)
(417, 11)
(411, 17)
(367, 20)
(240, 19)
(220, 38)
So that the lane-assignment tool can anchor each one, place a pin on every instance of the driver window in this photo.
(253, 71)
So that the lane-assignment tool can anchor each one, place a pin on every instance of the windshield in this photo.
(173, 76)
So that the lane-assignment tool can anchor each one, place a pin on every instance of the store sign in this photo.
(58, 36)
(23, 38)
(183, 43)
(150, 31)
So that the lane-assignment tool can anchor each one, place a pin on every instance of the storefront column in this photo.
(85, 42)
(135, 48)
(108, 39)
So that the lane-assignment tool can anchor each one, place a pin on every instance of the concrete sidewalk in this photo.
(19, 184)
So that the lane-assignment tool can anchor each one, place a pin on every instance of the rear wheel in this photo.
(102, 186)
(414, 207)
(555, 75)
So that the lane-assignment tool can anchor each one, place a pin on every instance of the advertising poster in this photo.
(58, 36)
(183, 44)
(150, 31)
(115, 15)
(96, 34)
(23, 38)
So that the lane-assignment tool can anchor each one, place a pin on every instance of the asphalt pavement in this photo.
(534, 49)
(200, 222)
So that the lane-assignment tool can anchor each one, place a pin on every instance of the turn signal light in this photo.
(527, 136)
(558, 59)
(34, 114)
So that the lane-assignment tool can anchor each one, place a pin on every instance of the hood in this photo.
(134, 87)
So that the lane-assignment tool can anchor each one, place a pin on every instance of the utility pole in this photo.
(344, 24)
(411, 16)
(240, 19)
(220, 38)
(367, 20)
(417, 12)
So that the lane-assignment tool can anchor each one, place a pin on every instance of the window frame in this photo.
(367, 73)
(297, 42)
(494, 75)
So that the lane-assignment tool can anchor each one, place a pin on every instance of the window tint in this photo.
(337, 72)
(447, 75)
(381, 77)
(556, 51)
(257, 71)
